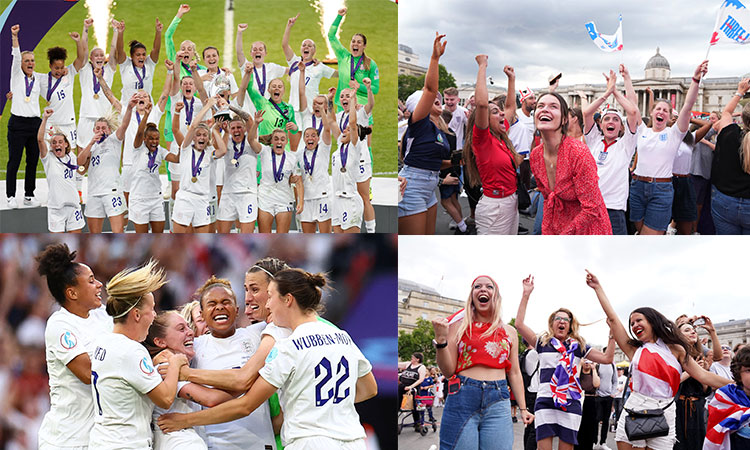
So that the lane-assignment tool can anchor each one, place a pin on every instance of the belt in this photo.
(652, 179)
(679, 175)
(496, 193)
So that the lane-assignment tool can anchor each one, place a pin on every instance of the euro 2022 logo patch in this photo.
(68, 340)
(146, 366)
(272, 355)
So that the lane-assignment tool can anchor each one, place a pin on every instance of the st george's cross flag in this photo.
(606, 42)
(732, 23)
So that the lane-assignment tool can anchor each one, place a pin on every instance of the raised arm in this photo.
(288, 52)
(40, 134)
(238, 45)
(199, 118)
(178, 136)
(174, 75)
(112, 61)
(301, 86)
(252, 131)
(709, 326)
(157, 41)
(430, 90)
(629, 89)
(82, 45)
(172, 28)
(631, 110)
(330, 121)
(220, 146)
(338, 49)
(84, 154)
(526, 332)
(510, 98)
(300, 192)
(370, 95)
(447, 357)
(650, 105)
(590, 110)
(617, 330)
(704, 376)
(247, 71)
(164, 394)
(14, 36)
(353, 126)
(120, 133)
(603, 357)
(726, 115)
(326, 136)
(139, 134)
(198, 82)
(481, 97)
(683, 120)
(120, 56)
(99, 73)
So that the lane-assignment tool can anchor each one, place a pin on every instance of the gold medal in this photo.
(343, 169)
(27, 99)
(234, 161)
(194, 179)
(81, 169)
(310, 178)
(96, 96)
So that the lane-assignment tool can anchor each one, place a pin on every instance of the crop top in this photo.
(491, 351)
(655, 371)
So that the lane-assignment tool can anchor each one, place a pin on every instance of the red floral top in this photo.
(491, 351)
(576, 205)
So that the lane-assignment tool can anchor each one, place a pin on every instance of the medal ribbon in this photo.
(68, 164)
(295, 66)
(237, 153)
(318, 128)
(187, 68)
(50, 88)
(200, 160)
(97, 85)
(345, 122)
(152, 158)
(310, 166)
(261, 87)
(29, 87)
(354, 69)
(281, 112)
(344, 151)
(138, 75)
(278, 174)
(188, 109)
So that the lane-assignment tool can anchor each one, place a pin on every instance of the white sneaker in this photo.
(31, 202)
(671, 230)
(452, 225)
(597, 447)
(12, 203)
(604, 447)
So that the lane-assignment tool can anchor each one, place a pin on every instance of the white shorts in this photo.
(85, 130)
(640, 401)
(69, 130)
(220, 168)
(67, 218)
(174, 168)
(145, 210)
(46, 446)
(238, 206)
(213, 204)
(364, 172)
(182, 439)
(126, 177)
(190, 209)
(317, 210)
(324, 443)
(274, 207)
(497, 215)
(347, 212)
(107, 205)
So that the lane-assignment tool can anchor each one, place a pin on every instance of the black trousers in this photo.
(529, 431)
(603, 412)
(22, 132)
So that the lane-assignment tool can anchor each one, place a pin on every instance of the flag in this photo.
(728, 411)
(732, 23)
(564, 382)
(607, 43)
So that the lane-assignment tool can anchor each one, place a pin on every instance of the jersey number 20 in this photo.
(323, 395)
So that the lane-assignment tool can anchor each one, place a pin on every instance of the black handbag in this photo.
(646, 423)
(524, 200)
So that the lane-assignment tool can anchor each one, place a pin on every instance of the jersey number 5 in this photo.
(322, 396)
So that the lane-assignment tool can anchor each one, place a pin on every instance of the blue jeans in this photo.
(419, 195)
(477, 417)
(651, 203)
(731, 214)
(617, 219)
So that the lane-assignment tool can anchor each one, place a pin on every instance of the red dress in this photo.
(576, 205)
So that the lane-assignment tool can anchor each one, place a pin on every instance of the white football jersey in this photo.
(122, 374)
(145, 179)
(241, 175)
(60, 97)
(313, 75)
(255, 431)
(104, 167)
(363, 119)
(61, 180)
(94, 107)
(281, 191)
(316, 370)
(185, 439)
(130, 132)
(203, 162)
(130, 82)
(314, 167)
(71, 415)
(345, 183)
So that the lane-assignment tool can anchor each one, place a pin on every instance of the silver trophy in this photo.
(220, 86)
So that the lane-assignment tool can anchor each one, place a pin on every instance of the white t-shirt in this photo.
(313, 75)
(276, 332)
(94, 107)
(197, 106)
(20, 107)
(612, 165)
(61, 180)
(656, 151)
(61, 99)
(458, 125)
(145, 181)
(314, 166)
(683, 158)
(135, 118)
(71, 415)
(242, 175)
(281, 191)
(130, 82)
(363, 120)
(122, 375)
(104, 168)
(316, 370)
(521, 133)
(255, 431)
(345, 183)
(189, 157)
(721, 370)
(187, 438)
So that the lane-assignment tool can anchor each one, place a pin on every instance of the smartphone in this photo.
(454, 385)
(699, 322)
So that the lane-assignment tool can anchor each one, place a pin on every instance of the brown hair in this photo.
(471, 163)
(304, 286)
(745, 147)
(366, 61)
(695, 350)
(212, 283)
(450, 91)
(268, 265)
(56, 263)
(158, 329)
(740, 360)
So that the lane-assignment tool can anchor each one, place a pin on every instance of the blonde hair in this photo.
(186, 311)
(497, 320)
(573, 330)
(745, 147)
(127, 288)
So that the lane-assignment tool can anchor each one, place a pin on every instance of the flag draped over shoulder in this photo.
(732, 23)
(728, 411)
(605, 42)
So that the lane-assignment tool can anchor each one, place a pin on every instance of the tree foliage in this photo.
(418, 340)
(407, 84)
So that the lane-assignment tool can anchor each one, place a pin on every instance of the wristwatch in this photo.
(439, 346)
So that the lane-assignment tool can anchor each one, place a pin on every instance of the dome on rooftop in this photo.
(657, 61)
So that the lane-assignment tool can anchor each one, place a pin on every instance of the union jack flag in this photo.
(728, 411)
(564, 383)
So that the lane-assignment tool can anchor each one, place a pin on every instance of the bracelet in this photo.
(739, 94)
(697, 80)
(170, 71)
(523, 409)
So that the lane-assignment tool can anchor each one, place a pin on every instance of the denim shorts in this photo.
(731, 214)
(419, 195)
(651, 203)
(477, 417)
(617, 219)
(684, 207)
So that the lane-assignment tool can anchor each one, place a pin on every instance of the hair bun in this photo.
(316, 279)
(55, 260)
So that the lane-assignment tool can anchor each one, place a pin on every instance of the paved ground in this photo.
(411, 440)
(443, 219)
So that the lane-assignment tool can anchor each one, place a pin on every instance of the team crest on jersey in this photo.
(146, 366)
(663, 137)
(272, 355)
(68, 340)
(248, 346)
